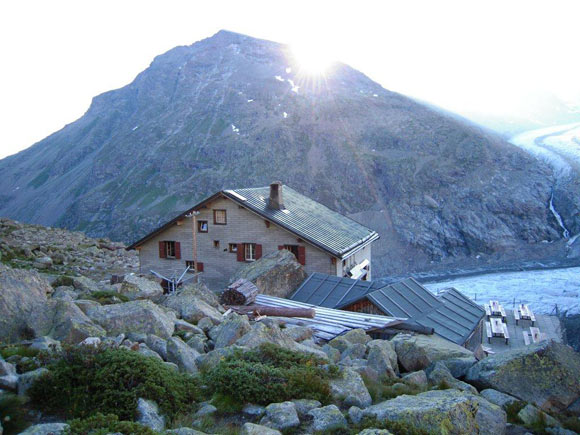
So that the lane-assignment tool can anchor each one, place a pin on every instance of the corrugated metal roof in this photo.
(451, 314)
(329, 323)
(332, 291)
(308, 219)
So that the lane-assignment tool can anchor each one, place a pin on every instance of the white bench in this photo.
(488, 329)
(517, 316)
(526, 338)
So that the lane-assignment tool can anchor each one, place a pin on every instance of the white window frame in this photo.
(250, 251)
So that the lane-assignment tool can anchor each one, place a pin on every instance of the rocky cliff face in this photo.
(233, 111)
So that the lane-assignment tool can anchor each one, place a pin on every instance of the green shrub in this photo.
(383, 388)
(512, 411)
(107, 297)
(12, 350)
(100, 424)
(270, 374)
(12, 413)
(85, 380)
(398, 427)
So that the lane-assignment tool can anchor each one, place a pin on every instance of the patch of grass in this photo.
(13, 413)
(107, 297)
(19, 350)
(270, 374)
(101, 424)
(396, 427)
(385, 388)
(85, 380)
(512, 411)
(571, 422)
(226, 404)
(40, 179)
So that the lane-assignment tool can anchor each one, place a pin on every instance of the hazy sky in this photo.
(464, 55)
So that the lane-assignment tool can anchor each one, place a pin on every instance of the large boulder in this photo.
(260, 334)
(417, 352)
(327, 418)
(531, 415)
(193, 304)
(22, 291)
(442, 411)
(382, 358)
(137, 316)
(181, 354)
(276, 274)
(47, 429)
(148, 415)
(64, 321)
(349, 389)
(230, 330)
(498, 398)
(545, 374)
(136, 287)
(281, 416)
(257, 429)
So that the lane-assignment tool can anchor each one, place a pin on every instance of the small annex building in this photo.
(232, 227)
(450, 314)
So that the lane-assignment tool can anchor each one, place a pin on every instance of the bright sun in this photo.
(312, 59)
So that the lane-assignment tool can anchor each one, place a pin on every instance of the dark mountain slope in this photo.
(234, 111)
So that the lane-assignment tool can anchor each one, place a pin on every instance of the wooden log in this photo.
(241, 292)
(263, 310)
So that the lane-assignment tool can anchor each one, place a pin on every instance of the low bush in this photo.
(398, 427)
(85, 380)
(100, 424)
(13, 413)
(512, 411)
(271, 374)
(107, 297)
(19, 350)
(384, 388)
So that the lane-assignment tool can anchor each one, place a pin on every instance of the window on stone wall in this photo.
(216, 243)
(233, 247)
(191, 266)
(219, 217)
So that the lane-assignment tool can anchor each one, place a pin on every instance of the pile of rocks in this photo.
(190, 331)
(58, 251)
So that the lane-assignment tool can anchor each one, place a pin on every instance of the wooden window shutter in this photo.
(177, 250)
(199, 266)
(241, 252)
(280, 247)
(162, 253)
(302, 255)
(258, 251)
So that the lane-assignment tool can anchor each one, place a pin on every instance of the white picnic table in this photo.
(524, 313)
(494, 308)
(497, 328)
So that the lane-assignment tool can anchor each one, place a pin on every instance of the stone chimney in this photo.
(276, 202)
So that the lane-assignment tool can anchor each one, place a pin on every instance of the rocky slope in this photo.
(409, 384)
(234, 111)
(55, 252)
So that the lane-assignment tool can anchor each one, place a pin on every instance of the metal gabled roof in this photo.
(452, 315)
(406, 298)
(308, 219)
(332, 291)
